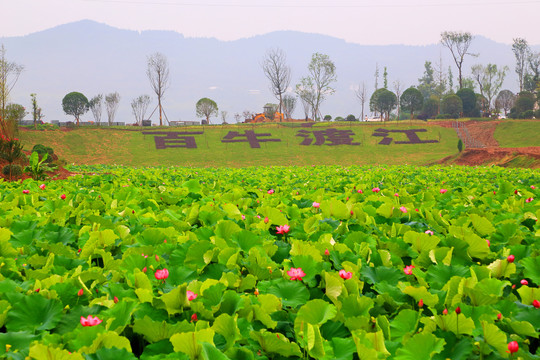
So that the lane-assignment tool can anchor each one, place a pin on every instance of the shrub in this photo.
(13, 170)
(537, 114)
(42, 150)
(526, 114)
(350, 117)
(339, 118)
(452, 104)
(460, 145)
(444, 116)
(36, 168)
(327, 117)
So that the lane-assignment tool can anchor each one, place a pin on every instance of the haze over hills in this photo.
(94, 58)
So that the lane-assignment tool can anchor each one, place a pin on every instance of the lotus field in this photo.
(272, 263)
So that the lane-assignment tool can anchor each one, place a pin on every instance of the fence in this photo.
(466, 138)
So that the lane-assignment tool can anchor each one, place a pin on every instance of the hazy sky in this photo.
(411, 22)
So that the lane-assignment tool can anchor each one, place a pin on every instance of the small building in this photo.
(184, 123)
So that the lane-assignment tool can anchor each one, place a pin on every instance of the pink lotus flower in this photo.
(144, 269)
(488, 242)
(282, 229)
(90, 321)
(408, 269)
(375, 189)
(445, 312)
(442, 191)
(115, 300)
(429, 232)
(270, 192)
(63, 196)
(421, 303)
(360, 192)
(533, 187)
(243, 217)
(510, 258)
(536, 304)
(80, 292)
(326, 252)
(499, 316)
(513, 347)
(296, 274)
(161, 274)
(345, 274)
(266, 220)
(458, 310)
(528, 200)
(194, 317)
(42, 186)
(25, 191)
(191, 295)
(403, 209)
(524, 282)
(396, 195)
(316, 204)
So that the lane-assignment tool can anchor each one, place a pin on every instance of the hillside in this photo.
(346, 145)
(323, 144)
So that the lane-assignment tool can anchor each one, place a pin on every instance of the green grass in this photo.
(518, 133)
(118, 146)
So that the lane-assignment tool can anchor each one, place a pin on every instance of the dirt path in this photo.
(483, 131)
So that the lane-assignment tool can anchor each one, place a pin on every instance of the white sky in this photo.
(375, 22)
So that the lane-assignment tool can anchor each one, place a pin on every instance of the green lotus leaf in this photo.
(34, 313)
(482, 225)
(44, 352)
(190, 343)
(421, 346)
(226, 326)
(18, 340)
(155, 331)
(370, 345)
(275, 343)
(531, 268)
(291, 293)
(495, 337)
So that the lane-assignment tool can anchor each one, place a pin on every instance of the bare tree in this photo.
(398, 89)
(111, 105)
(139, 106)
(440, 79)
(96, 105)
(307, 98)
(458, 43)
(224, 116)
(289, 104)
(276, 70)
(361, 94)
(247, 114)
(237, 117)
(322, 73)
(158, 74)
(505, 101)
(489, 80)
(9, 74)
(376, 76)
(521, 52)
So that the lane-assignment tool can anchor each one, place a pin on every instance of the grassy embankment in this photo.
(518, 133)
(119, 146)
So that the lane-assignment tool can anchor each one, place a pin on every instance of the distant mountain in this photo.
(93, 58)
